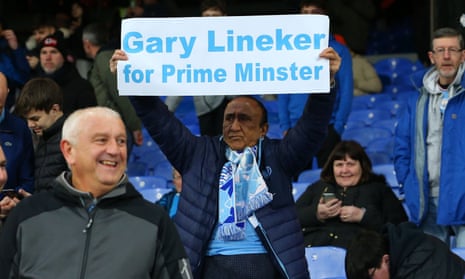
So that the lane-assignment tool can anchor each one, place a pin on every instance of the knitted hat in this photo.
(57, 41)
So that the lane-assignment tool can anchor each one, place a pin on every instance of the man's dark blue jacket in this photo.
(200, 160)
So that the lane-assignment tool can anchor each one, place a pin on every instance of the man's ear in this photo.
(385, 259)
(67, 150)
(55, 108)
(430, 56)
(264, 129)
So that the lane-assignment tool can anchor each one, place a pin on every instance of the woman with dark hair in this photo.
(347, 198)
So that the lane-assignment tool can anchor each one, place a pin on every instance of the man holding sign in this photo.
(236, 214)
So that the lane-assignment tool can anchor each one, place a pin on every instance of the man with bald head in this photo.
(93, 217)
(236, 214)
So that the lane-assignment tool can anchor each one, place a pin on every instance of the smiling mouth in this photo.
(109, 163)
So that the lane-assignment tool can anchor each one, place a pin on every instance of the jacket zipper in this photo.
(87, 230)
(257, 225)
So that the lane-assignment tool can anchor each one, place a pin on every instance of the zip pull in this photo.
(89, 225)
(90, 206)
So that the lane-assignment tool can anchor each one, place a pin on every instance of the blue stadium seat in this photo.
(154, 194)
(382, 145)
(298, 188)
(185, 107)
(194, 128)
(326, 262)
(388, 171)
(393, 70)
(395, 90)
(136, 168)
(459, 251)
(147, 146)
(403, 95)
(394, 63)
(368, 115)
(365, 135)
(354, 124)
(272, 106)
(274, 131)
(164, 169)
(361, 102)
(189, 118)
(389, 124)
(393, 106)
(309, 176)
(369, 101)
(379, 158)
(147, 182)
(152, 158)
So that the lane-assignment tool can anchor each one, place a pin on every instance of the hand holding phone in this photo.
(328, 196)
(12, 193)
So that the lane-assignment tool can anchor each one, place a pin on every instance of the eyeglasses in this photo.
(450, 50)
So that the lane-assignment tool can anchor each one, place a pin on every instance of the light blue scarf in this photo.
(242, 191)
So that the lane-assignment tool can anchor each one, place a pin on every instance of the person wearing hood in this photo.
(92, 223)
(55, 64)
(428, 151)
(347, 199)
(401, 251)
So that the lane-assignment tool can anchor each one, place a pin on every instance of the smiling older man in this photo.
(93, 222)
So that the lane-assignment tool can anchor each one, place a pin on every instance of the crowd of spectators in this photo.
(64, 49)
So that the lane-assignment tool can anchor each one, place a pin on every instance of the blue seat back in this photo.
(326, 262)
(148, 182)
(309, 176)
(298, 188)
(154, 194)
(369, 115)
(388, 171)
(365, 135)
(460, 251)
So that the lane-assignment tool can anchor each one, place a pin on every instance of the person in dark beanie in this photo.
(77, 92)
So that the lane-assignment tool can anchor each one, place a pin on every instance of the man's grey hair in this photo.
(76, 121)
(95, 33)
(448, 32)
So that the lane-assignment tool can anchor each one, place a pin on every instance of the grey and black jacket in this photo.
(66, 233)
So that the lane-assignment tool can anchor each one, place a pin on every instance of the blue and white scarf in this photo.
(242, 191)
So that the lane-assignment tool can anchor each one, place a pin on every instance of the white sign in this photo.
(230, 55)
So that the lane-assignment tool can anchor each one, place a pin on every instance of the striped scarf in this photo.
(242, 191)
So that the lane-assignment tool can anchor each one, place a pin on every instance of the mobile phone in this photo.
(12, 193)
(328, 196)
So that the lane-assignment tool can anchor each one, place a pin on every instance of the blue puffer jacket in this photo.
(200, 159)
(411, 162)
(16, 141)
